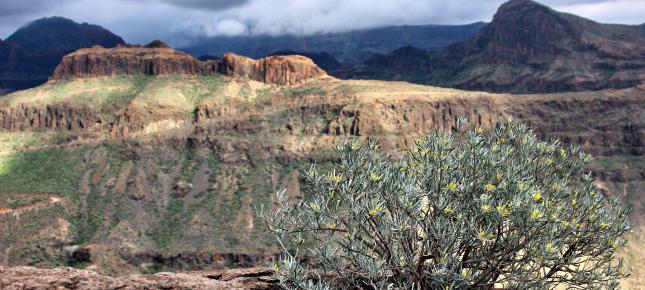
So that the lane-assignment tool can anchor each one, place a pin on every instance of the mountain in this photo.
(348, 47)
(531, 48)
(144, 159)
(29, 56)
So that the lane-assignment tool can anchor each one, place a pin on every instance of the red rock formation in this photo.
(281, 70)
(133, 60)
(159, 59)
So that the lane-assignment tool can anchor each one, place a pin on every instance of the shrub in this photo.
(468, 210)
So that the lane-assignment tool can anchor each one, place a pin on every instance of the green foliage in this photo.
(470, 210)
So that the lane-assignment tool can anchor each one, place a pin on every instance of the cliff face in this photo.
(158, 59)
(281, 70)
(123, 60)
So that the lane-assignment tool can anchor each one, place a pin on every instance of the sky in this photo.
(180, 22)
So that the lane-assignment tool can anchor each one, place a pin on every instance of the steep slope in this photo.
(30, 54)
(164, 172)
(348, 47)
(531, 48)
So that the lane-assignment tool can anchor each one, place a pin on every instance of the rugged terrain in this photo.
(28, 56)
(527, 48)
(143, 159)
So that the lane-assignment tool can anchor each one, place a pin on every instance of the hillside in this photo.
(348, 47)
(28, 56)
(528, 48)
(151, 166)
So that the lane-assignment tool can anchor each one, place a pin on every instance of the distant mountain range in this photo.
(348, 47)
(527, 48)
(28, 57)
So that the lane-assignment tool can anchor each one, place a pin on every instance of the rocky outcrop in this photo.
(153, 59)
(281, 70)
(157, 58)
(68, 278)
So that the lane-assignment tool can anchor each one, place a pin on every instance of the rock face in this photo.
(281, 70)
(157, 58)
(153, 59)
(15, 278)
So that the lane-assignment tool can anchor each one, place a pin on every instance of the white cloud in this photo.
(227, 27)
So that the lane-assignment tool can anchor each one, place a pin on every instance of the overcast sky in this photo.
(177, 21)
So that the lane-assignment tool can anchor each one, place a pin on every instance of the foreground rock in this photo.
(157, 58)
(69, 278)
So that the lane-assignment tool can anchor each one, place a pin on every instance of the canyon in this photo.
(159, 160)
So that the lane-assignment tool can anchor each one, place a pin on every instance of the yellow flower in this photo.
(335, 178)
(563, 153)
(447, 210)
(537, 196)
(276, 268)
(549, 161)
(549, 247)
(346, 236)
(375, 176)
(502, 210)
(486, 208)
(592, 193)
(313, 206)
(375, 211)
(465, 273)
(536, 214)
(494, 149)
(452, 186)
(604, 225)
(425, 152)
(489, 187)
(612, 244)
(574, 202)
(481, 234)
(565, 224)
(421, 233)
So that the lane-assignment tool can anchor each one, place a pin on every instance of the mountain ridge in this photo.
(531, 48)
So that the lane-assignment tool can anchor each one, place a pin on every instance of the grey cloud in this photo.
(179, 21)
(19, 7)
(207, 4)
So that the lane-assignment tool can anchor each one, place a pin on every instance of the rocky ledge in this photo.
(14, 278)
(157, 58)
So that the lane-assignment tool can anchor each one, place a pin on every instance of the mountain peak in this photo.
(63, 34)
(523, 28)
